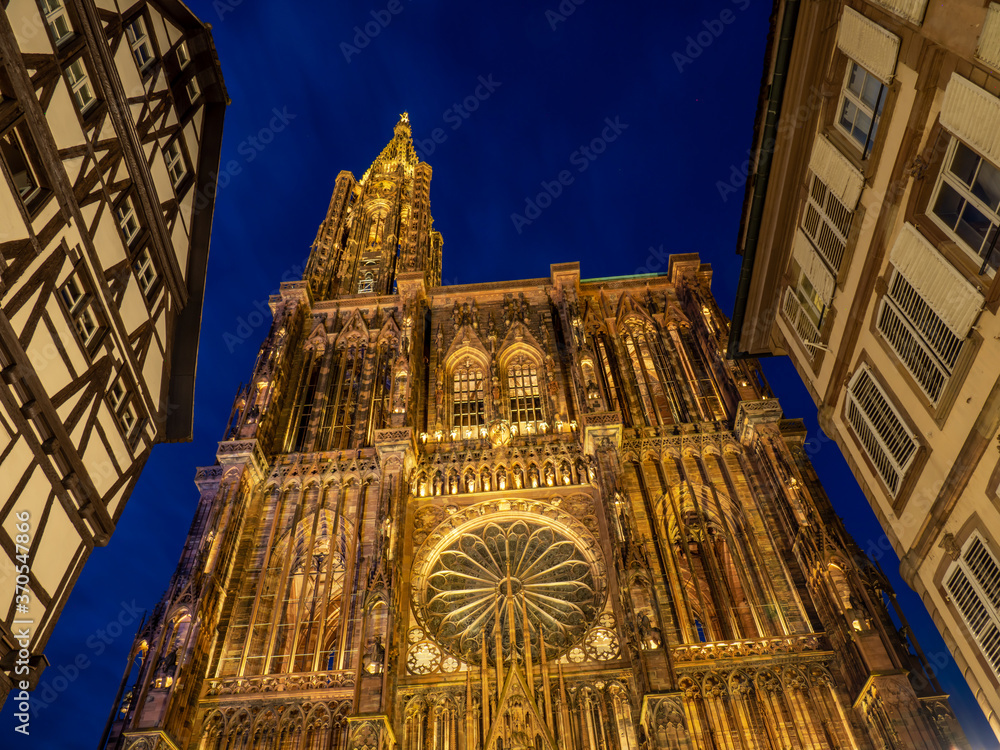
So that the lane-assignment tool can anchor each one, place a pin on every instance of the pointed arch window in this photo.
(524, 392)
(468, 396)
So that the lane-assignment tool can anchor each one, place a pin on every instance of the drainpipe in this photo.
(763, 171)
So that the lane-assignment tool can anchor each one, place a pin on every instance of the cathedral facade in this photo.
(527, 514)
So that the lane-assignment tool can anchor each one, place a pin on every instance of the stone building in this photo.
(110, 132)
(870, 255)
(525, 514)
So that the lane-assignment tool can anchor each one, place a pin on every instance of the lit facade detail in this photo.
(531, 514)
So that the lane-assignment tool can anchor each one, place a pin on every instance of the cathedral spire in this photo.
(399, 151)
(378, 226)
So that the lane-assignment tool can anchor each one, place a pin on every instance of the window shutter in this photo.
(955, 301)
(989, 40)
(973, 114)
(911, 10)
(837, 172)
(868, 44)
(813, 266)
(884, 435)
(974, 586)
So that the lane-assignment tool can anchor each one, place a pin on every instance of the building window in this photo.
(883, 434)
(804, 309)
(827, 223)
(15, 146)
(176, 166)
(861, 107)
(79, 85)
(183, 56)
(966, 203)
(138, 40)
(919, 337)
(80, 307)
(468, 398)
(145, 272)
(973, 582)
(524, 393)
(57, 20)
(127, 219)
(193, 90)
(123, 407)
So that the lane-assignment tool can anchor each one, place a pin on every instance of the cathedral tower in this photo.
(528, 514)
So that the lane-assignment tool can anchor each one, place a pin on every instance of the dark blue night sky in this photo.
(648, 107)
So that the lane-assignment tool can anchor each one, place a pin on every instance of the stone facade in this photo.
(528, 514)
(870, 255)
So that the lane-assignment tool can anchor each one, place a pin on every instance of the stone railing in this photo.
(280, 683)
(787, 644)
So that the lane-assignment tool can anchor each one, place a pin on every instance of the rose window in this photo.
(484, 583)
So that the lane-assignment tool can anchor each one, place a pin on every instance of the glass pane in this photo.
(987, 187)
(856, 81)
(60, 27)
(972, 227)
(949, 205)
(847, 115)
(861, 126)
(872, 90)
(20, 172)
(963, 166)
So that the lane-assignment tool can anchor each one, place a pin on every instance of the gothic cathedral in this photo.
(524, 515)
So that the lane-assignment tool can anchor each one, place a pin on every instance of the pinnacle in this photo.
(398, 150)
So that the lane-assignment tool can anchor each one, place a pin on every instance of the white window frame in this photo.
(921, 340)
(173, 156)
(80, 308)
(884, 435)
(193, 89)
(55, 16)
(128, 221)
(946, 176)
(140, 43)
(79, 84)
(848, 96)
(145, 272)
(973, 584)
(183, 55)
(123, 407)
(16, 141)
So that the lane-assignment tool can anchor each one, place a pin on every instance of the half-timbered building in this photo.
(110, 135)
